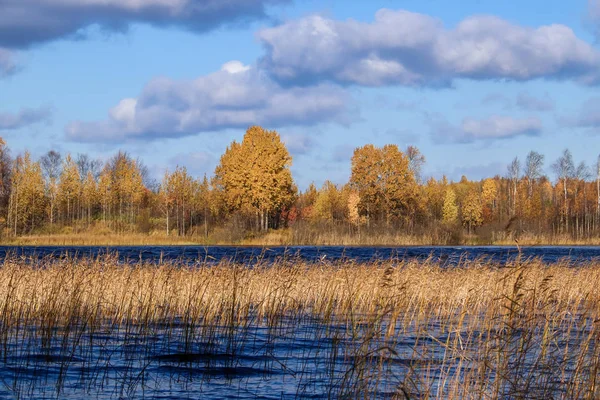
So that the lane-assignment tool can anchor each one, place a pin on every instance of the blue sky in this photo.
(472, 83)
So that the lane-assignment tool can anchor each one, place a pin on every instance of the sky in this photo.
(471, 83)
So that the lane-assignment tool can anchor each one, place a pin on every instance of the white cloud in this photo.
(237, 96)
(405, 48)
(233, 67)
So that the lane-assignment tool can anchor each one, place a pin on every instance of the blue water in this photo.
(251, 254)
(302, 357)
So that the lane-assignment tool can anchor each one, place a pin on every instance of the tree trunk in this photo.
(167, 220)
(566, 205)
(205, 222)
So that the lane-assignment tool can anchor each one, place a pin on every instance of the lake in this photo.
(251, 254)
(60, 346)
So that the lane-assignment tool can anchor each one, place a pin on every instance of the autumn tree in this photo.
(104, 190)
(126, 186)
(488, 198)
(472, 212)
(27, 200)
(89, 195)
(330, 204)
(306, 202)
(450, 211)
(177, 192)
(5, 177)
(69, 189)
(435, 191)
(385, 183)
(353, 214)
(255, 176)
(365, 179)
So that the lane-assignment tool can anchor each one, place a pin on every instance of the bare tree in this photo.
(51, 163)
(415, 161)
(564, 168)
(583, 172)
(514, 170)
(534, 163)
(86, 164)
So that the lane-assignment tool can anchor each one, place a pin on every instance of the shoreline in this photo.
(18, 243)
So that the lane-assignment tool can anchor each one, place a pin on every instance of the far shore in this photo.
(274, 239)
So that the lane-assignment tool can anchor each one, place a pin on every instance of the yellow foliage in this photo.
(450, 212)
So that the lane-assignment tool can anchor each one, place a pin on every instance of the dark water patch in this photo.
(205, 357)
(216, 371)
(54, 358)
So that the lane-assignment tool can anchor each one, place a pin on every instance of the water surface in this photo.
(298, 356)
(251, 254)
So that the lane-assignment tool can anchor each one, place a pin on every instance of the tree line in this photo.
(252, 192)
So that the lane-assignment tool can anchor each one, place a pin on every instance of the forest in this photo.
(252, 199)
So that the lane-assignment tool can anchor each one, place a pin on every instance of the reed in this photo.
(288, 237)
(397, 328)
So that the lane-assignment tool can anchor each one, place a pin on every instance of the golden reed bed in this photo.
(478, 330)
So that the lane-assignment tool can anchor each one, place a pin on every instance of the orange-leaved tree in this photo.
(385, 183)
(255, 176)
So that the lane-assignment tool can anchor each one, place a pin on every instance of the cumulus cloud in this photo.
(532, 103)
(237, 96)
(25, 117)
(405, 48)
(493, 127)
(26, 22)
(7, 64)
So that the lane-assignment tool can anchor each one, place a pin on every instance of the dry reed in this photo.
(399, 328)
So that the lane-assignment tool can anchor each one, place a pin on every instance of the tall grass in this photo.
(397, 329)
(291, 237)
